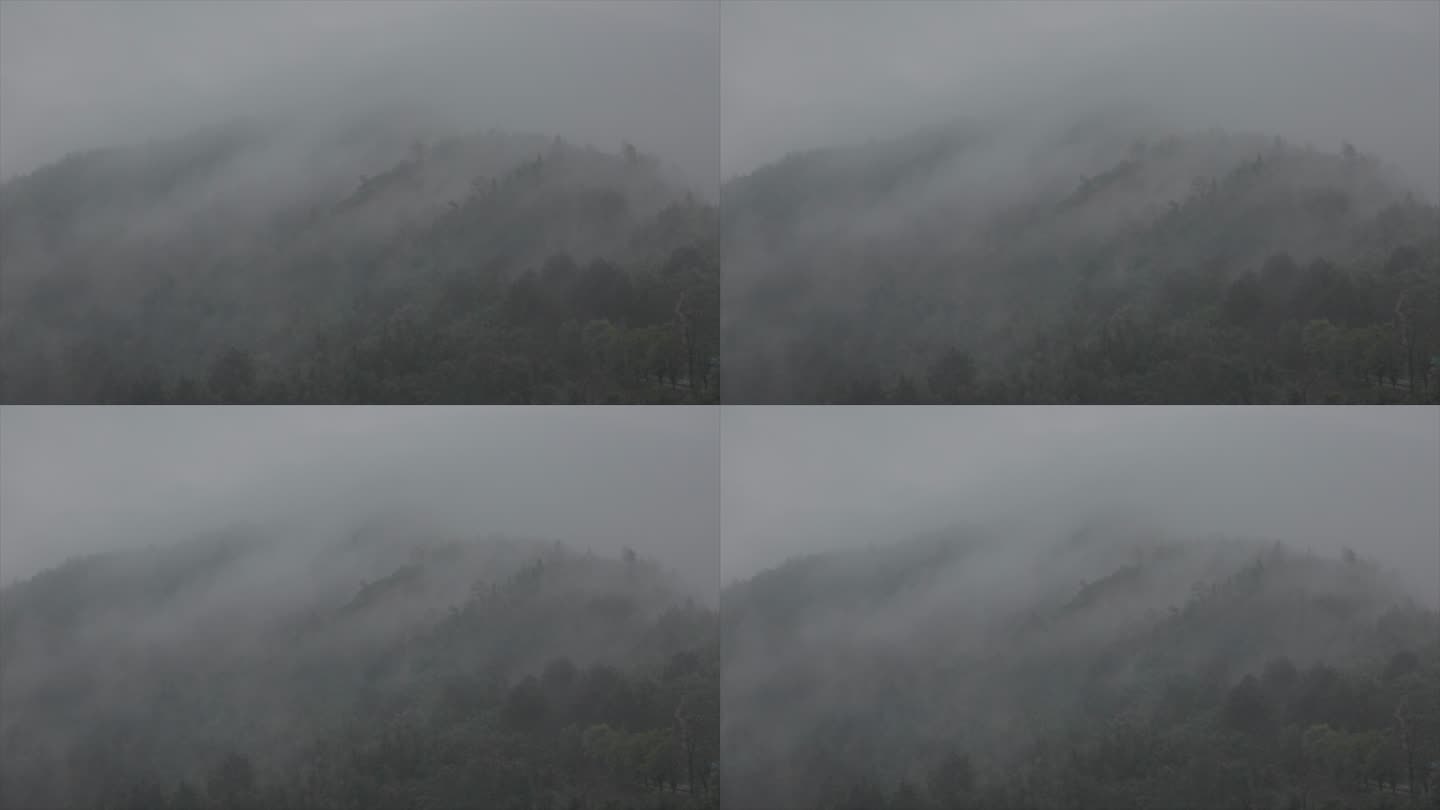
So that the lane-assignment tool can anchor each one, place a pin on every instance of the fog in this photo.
(83, 480)
(294, 577)
(906, 586)
(794, 75)
(801, 75)
(1011, 176)
(83, 75)
(802, 480)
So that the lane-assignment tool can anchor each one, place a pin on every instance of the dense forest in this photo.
(391, 665)
(1118, 669)
(385, 667)
(357, 263)
(1115, 262)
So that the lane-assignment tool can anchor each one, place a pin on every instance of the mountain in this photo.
(1108, 260)
(1118, 668)
(387, 666)
(364, 261)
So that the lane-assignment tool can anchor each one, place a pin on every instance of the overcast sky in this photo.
(75, 480)
(803, 74)
(793, 75)
(779, 481)
(78, 75)
(802, 479)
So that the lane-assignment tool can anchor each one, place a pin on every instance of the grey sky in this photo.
(794, 74)
(75, 480)
(802, 479)
(804, 74)
(77, 75)
(794, 479)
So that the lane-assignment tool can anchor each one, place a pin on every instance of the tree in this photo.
(906, 392)
(952, 376)
(185, 797)
(231, 783)
(1280, 676)
(906, 797)
(1244, 301)
(232, 376)
(863, 795)
(952, 780)
(144, 793)
(558, 676)
(1245, 705)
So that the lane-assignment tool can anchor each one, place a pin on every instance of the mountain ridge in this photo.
(951, 695)
(227, 266)
(1003, 274)
(555, 675)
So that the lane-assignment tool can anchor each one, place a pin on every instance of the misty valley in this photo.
(393, 665)
(420, 245)
(1103, 257)
(388, 666)
(375, 258)
(1117, 668)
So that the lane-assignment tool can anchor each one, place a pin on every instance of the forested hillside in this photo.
(1128, 671)
(1114, 262)
(369, 262)
(387, 667)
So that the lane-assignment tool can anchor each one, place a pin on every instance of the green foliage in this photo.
(567, 276)
(523, 692)
(1210, 269)
(1283, 680)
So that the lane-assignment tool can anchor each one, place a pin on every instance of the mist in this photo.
(802, 75)
(924, 605)
(273, 179)
(798, 481)
(86, 75)
(970, 218)
(249, 595)
(76, 481)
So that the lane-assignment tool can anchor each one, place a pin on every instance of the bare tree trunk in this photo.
(1407, 742)
(687, 742)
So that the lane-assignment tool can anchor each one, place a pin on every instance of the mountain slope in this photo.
(1114, 262)
(248, 264)
(391, 667)
(1184, 674)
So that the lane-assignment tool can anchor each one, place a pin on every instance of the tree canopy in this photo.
(487, 268)
(1108, 266)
